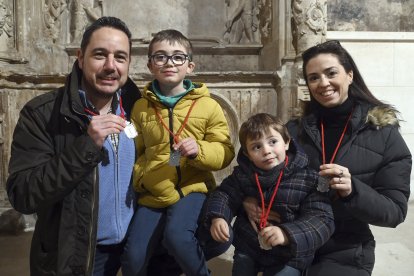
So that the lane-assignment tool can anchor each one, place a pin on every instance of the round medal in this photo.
(323, 184)
(263, 245)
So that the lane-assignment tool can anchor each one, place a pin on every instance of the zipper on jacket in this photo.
(117, 209)
(92, 240)
(177, 168)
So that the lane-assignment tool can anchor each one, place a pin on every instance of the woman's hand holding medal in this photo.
(339, 178)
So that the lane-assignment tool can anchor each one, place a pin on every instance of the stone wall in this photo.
(245, 64)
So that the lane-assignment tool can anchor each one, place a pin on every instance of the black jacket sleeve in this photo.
(384, 203)
(38, 174)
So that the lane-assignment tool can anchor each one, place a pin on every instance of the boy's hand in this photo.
(101, 126)
(188, 147)
(251, 206)
(274, 236)
(219, 230)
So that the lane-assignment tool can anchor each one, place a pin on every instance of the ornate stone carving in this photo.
(241, 22)
(52, 17)
(265, 17)
(309, 23)
(6, 25)
(316, 17)
(83, 12)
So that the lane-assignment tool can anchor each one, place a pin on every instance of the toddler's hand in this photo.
(274, 236)
(219, 230)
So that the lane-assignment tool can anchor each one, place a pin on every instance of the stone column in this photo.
(309, 26)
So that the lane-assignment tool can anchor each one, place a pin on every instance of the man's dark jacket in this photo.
(53, 172)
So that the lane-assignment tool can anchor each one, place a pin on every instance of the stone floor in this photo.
(394, 253)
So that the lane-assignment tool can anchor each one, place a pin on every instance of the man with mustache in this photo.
(72, 158)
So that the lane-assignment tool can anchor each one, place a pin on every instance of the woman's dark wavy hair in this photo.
(358, 90)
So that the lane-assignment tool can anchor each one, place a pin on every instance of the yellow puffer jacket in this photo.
(157, 182)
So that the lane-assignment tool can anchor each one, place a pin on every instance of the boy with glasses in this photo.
(182, 136)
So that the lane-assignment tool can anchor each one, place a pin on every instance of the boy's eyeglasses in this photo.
(177, 59)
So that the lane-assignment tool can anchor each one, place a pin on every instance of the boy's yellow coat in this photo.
(153, 178)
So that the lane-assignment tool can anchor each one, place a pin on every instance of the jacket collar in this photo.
(363, 113)
(199, 90)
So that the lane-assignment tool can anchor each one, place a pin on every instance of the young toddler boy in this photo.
(275, 171)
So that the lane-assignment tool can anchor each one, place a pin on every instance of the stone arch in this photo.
(234, 124)
(231, 116)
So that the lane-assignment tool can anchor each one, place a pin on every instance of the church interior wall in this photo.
(247, 71)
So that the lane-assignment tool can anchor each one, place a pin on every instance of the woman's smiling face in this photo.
(327, 80)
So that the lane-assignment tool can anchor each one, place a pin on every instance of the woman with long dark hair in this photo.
(353, 140)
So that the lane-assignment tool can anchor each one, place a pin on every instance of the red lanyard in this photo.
(339, 142)
(265, 212)
(90, 112)
(177, 135)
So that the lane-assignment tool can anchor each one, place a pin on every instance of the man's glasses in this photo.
(161, 59)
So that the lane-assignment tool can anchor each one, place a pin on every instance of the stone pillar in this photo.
(309, 26)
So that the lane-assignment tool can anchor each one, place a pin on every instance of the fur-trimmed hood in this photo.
(381, 116)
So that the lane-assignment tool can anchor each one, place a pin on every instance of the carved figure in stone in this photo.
(6, 21)
(309, 23)
(316, 18)
(95, 12)
(296, 21)
(84, 12)
(265, 10)
(52, 14)
(241, 20)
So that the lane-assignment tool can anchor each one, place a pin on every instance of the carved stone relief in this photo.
(53, 10)
(6, 25)
(265, 16)
(309, 26)
(241, 21)
(309, 21)
(47, 33)
(247, 21)
(82, 13)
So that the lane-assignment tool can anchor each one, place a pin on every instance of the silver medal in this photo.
(263, 245)
(130, 130)
(323, 184)
(175, 158)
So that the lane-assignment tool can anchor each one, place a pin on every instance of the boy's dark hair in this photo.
(105, 21)
(258, 125)
(172, 36)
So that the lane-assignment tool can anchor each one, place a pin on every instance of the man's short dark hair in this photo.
(105, 21)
